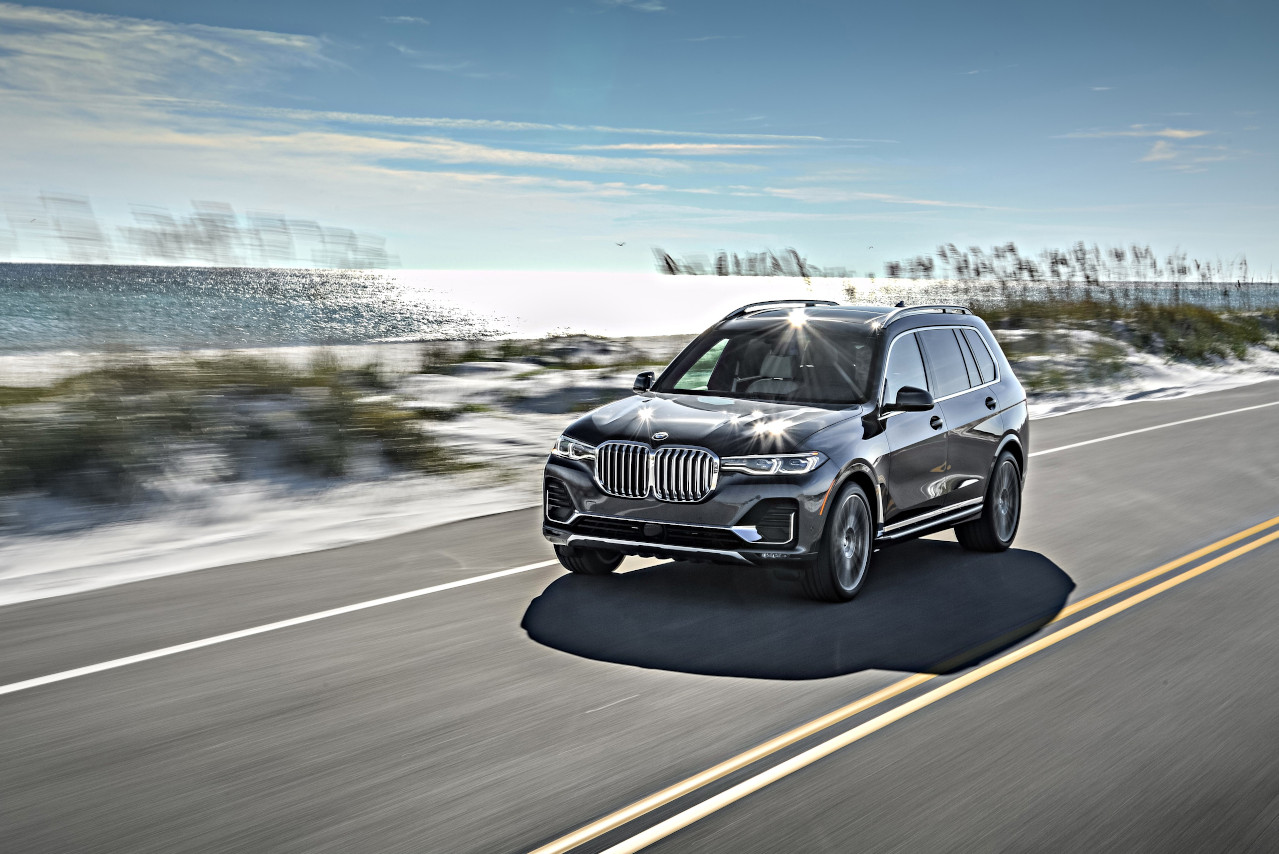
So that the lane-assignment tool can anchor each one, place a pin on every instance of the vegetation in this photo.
(100, 435)
(552, 352)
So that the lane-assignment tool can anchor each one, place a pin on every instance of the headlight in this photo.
(774, 463)
(566, 446)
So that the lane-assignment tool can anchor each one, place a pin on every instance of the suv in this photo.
(803, 433)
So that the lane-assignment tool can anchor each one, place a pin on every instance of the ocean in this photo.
(70, 308)
(59, 307)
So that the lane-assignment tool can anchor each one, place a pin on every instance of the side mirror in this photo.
(643, 382)
(910, 399)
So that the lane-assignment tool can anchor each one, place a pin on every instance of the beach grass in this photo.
(101, 434)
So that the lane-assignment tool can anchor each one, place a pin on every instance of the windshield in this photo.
(812, 363)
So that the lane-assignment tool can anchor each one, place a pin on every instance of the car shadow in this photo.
(927, 606)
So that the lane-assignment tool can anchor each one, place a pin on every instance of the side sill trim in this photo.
(937, 521)
(928, 517)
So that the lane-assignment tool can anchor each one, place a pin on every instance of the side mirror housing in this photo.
(910, 399)
(643, 382)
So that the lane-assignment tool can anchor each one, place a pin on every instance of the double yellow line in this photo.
(698, 811)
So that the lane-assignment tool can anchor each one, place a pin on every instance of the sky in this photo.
(577, 135)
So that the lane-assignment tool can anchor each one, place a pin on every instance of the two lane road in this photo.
(503, 714)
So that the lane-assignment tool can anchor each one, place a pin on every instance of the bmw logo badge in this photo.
(660, 435)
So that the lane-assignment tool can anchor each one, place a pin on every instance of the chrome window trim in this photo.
(883, 386)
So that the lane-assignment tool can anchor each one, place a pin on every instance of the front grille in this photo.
(684, 474)
(629, 469)
(621, 469)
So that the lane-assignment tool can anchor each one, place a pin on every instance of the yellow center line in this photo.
(665, 796)
(808, 757)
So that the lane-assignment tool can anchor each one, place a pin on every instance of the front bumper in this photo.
(724, 527)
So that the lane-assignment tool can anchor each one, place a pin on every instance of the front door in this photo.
(917, 467)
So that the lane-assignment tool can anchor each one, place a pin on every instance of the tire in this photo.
(841, 567)
(1001, 512)
(588, 561)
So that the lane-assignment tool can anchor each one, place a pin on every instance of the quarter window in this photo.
(985, 362)
(699, 376)
(905, 367)
(945, 362)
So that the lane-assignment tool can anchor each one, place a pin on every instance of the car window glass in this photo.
(905, 367)
(974, 376)
(820, 361)
(985, 362)
(945, 362)
(699, 376)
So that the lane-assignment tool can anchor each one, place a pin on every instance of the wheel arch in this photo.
(861, 473)
(1011, 443)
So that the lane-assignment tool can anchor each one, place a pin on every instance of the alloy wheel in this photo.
(853, 546)
(1007, 501)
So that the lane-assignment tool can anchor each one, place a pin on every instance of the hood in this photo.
(727, 426)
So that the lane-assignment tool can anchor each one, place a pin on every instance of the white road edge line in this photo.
(14, 687)
(1156, 427)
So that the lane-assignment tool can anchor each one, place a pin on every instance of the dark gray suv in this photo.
(802, 433)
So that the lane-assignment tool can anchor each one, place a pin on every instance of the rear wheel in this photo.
(840, 570)
(588, 561)
(1000, 515)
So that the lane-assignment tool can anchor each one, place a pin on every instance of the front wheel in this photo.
(1000, 515)
(840, 570)
(588, 561)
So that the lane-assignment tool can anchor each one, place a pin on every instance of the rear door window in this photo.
(985, 361)
(945, 362)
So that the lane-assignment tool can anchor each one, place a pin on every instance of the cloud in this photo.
(442, 122)
(1102, 88)
(1161, 150)
(1188, 158)
(403, 19)
(684, 147)
(827, 195)
(461, 68)
(709, 38)
(1138, 131)
(71, 54)
(637, 5)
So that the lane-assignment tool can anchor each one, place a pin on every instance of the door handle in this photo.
(935, 422)
(990, 403)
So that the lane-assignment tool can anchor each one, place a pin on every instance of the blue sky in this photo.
(539, 135)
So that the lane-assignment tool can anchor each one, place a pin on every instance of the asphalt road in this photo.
(504, 714)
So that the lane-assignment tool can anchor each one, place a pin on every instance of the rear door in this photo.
(966, 396)
(916, 440)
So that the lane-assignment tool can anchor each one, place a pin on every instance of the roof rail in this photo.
(752, 306)
(907, 310)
